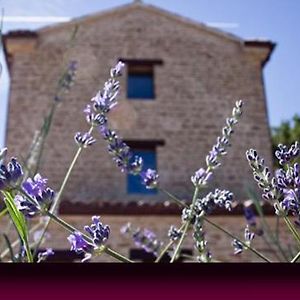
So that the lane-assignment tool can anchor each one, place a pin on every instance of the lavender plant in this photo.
(27, 197)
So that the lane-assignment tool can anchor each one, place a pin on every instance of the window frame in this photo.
(136, 67)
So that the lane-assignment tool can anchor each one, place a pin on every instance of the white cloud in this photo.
(35, 19)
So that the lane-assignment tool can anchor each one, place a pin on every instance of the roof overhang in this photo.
(18, 41)
(264, 48)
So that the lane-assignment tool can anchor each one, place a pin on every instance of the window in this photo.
(140, 78)
(140, 82)
(146, 150)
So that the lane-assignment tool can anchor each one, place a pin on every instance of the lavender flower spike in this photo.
(220, 148)
(105, 99)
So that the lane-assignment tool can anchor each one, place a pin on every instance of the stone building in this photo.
(181, 81)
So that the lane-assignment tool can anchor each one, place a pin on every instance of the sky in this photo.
(276, 20)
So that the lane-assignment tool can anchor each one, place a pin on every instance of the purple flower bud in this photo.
(238, 247)
(285, 154)
(84, 140)
(150, 178)
(11, 174)
(116, 71)
(201, 177)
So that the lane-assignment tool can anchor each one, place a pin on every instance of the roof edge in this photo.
(154, 9)
(268, 44)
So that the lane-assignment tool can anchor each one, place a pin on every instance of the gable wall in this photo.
(196, 87)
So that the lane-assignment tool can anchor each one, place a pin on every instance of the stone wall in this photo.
(202, 75)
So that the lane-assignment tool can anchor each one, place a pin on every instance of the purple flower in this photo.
(150, 178)
(99, 234)
(84, 140)
(135, 167)
(35, 186)
(201, 177)
(285, 154)
(220, 148)
(25, 206)
(38, 192)
(98, 231)
(10, 174)
(78, 243)
(105, 99)
(218, 198)
(121, 153)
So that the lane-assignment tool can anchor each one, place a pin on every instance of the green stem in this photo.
(269, 232)
(67, 176)
(72, 229)
(234, 237)
(28, 251)
(186, 226)
(167, 247)
(117, 255)
(16, 242)
(158, 259)
(45, 131)
(59, 194)
(296, 257)
(292, 229)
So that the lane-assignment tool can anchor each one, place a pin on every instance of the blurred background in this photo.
(267, 19)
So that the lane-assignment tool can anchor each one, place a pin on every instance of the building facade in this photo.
(181, 81)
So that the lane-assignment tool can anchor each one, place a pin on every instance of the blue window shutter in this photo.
(134, 184)
(140, 86)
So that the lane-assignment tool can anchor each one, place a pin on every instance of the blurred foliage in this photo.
(286, 133)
